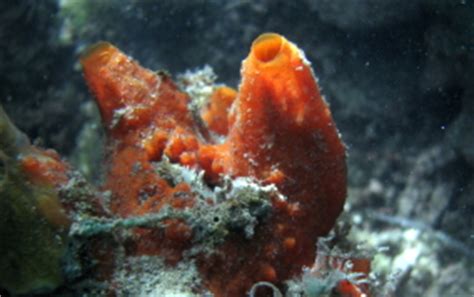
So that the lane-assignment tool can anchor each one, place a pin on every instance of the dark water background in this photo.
(397, 74)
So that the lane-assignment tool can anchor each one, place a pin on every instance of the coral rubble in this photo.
(243, 188)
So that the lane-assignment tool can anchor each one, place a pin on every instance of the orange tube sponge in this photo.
(145, 118)
(144, 114)
(282, 127)
(278, 131)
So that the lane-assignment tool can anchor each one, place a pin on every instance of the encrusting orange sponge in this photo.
(215, 114)
(278, 130)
